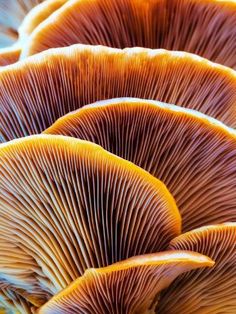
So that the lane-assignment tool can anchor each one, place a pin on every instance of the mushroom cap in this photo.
(208, 291)
(37, 15)
(36, 92)
(67, 205)
(130, 286)
(151, 24)
(9, 55)
(193, 154)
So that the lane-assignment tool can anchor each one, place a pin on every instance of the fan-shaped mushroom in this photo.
(68, 205)
(38, 91)
(127, 287)
(210, 291)
(194, 155)
(206, 28)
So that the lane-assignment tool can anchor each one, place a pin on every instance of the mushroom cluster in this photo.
(118, 156)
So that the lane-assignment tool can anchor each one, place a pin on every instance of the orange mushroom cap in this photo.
(203, 27)
(208, 291)
(130, 286)
(193, 154)
(67, 205)
(38, 91)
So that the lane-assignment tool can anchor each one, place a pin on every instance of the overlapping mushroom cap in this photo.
(67, 205)
(208, 291)
(192, 154)
(203, 27)
(83, 230)
(38, 91)
(128, 287)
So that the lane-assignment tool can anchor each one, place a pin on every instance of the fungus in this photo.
(208, 291)
(9, 55)
(194, 155)
(67, 205)
(36, 92)
(127, 287)
(206, 28)
(37, 15)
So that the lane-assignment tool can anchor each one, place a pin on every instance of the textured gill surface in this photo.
(67, 205)
(206, 28)
(131, 286)
(35, 93)
(208, 291)
(192, 154)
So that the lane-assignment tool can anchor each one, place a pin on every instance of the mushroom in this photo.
(10, 54)
(128, 287)
(193, 154)
(208, 291)
(39, 13)
(206, 28)
(67, 205)
(36, 92)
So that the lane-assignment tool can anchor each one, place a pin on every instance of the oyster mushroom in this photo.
(208, 291)
(206, 28)
(36, 92)
(193, 154)
(68, 205)
(127, 287)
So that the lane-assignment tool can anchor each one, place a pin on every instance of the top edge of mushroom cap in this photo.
(44, 56)
(184, 260)
(74, 144)
(202, 230)
(203, 118)
(159, 259)
(225, 4)
(39, 12)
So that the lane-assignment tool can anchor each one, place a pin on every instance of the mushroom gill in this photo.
(208, 291)
(194, 155)
(68, 205)
(37, 15)
(203, 27)
(36, 92)
(128, 287)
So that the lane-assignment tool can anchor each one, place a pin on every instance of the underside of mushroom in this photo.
(206, 28)
(117, 156)
(36, 92)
